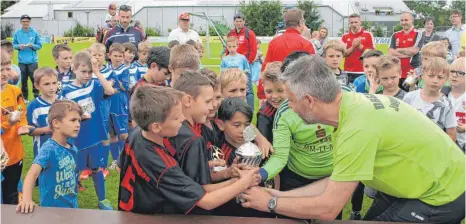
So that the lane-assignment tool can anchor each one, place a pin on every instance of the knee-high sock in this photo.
(105, 151)
(115, 150)
(99, 184)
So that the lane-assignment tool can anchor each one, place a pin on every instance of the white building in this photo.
(54, 17)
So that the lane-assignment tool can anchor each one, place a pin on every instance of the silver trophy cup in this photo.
(249, 153)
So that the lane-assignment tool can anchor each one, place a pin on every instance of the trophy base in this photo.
(219, 168)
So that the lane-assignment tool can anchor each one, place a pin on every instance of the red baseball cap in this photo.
(184, 15)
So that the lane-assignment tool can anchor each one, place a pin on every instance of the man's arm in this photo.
(325, 207)
(408, 52)
(253, 46)
(37, 45)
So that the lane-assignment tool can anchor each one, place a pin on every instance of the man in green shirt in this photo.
(387, 145)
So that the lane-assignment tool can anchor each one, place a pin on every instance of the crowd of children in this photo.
(173, 128)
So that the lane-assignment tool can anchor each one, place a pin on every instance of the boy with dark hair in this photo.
(128, 55)
(173, 43)
(363, 84)
(88, 92)
(274, 91)
(55, 165)
(63, 55)
(14, 124)
(156, 72)
(189, 145)
(15, 75)
(152, 181)
(182, 58)
(119, 106)
(45, 79)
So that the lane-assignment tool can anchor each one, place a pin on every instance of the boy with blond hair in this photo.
(183, 57)
(139, 67)
(333, 53)
(233, 83)
(46, 81)
(56, 156)
(14, 124)
(388, 74)
(430, 101)
(458, 98)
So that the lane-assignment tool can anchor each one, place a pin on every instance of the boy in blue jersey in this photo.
(369, 60)
(62, 54)
(139, 67)
(15, 74)
(118, 120)
(45, 80)
(55, 165)
(88, 92)
(98, 51)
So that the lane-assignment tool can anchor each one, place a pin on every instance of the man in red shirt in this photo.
(405, 45)
(247, 46)
(357, 40)
(290, 41)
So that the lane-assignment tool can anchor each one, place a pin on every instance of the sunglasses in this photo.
(458, 72)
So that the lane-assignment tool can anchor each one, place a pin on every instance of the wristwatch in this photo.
(272, 204)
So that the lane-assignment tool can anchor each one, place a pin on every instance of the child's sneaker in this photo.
(105, 205)
(105, 172)
(85, 174)
(113, 165)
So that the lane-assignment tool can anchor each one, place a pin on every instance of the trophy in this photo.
(217, 154)
(249, 153)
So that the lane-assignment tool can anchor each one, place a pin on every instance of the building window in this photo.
(70, 15)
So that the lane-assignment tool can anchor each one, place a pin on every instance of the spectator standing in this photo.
(290, 41)
(323, 32)
(455, 32)
(405, 46)
(183, 33)
(124, 32)
(429, 33)
(357, 40)
(247, 46)
(27, 41)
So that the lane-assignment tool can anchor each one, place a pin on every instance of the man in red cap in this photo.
(183, 34)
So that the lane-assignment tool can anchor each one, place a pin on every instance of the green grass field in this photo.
(88, 199)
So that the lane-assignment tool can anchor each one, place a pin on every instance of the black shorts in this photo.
(389, 208)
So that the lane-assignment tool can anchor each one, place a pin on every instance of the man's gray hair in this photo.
(310, 75)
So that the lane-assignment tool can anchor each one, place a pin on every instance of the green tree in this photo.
(397, 28)
(436, 9)
(79, 31)
(367, 25)
(311, 15)
(378, 31)
(262, 16)
(6, 4)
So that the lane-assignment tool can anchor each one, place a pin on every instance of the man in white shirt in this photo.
(183, 34)
(455, 32)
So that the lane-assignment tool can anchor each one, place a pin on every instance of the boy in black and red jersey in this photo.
(274, 91)
(151, 181)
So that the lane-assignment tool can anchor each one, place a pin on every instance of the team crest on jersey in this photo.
(349, 39)
(320, 133)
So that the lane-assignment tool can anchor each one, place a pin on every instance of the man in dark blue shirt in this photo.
(124, 32)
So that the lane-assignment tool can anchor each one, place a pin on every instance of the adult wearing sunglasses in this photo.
(124, 32)
(183, 33)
